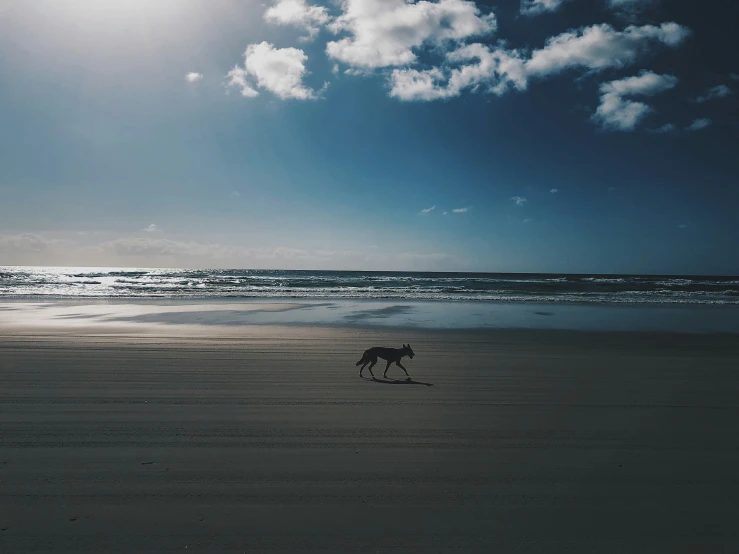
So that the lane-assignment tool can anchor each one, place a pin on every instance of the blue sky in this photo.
(569, 136)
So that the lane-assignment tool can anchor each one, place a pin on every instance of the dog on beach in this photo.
(390, 354)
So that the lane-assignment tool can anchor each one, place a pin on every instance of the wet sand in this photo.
(264, 439)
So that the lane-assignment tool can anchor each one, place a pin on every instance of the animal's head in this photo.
(408, 350)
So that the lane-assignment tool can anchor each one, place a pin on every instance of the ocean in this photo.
(77, 282)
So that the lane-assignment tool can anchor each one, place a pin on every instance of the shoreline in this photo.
(226, 315)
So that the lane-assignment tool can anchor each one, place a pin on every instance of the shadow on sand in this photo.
(397, 381)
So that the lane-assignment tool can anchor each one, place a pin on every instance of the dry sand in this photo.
(270, 442)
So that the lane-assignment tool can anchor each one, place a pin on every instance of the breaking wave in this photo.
(483, 287)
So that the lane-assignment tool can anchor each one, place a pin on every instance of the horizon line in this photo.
(566, 274)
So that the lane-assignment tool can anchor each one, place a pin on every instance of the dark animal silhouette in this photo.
(390, 354)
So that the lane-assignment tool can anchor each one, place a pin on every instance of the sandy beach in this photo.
(266, 439)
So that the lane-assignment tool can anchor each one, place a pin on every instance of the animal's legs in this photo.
(384, 375)
(374, 361)
(401, 367)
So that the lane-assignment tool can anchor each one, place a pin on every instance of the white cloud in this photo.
(698, 124)
(479, 67)
(519, 200)
(734, 76)
(459, 210)
(149, 251)
(133, 246)
(683, 226)
(719, 91)
(391, 34)
(664, 129)
(152, 229)
(412, 84)
(235, 193)
(162, 252)
(620, 114)
(237, 78)
(427, 210)
(279, 70)
(25, 243)
(299, 14)
(494, 71)
(33, 249)
(384, 33)
(554, 191)
(601, 46)
(647, 83)
(537, 7)
(527, 220)
(444, 213)
(193, 77)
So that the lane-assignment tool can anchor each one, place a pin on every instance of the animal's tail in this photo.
(362, 360)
